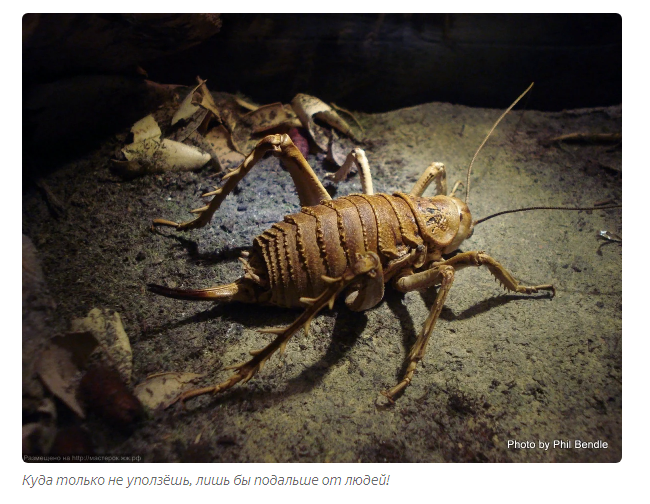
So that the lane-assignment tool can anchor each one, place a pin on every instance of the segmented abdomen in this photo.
(324, 239)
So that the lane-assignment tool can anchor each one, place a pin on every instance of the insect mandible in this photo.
(350, 246)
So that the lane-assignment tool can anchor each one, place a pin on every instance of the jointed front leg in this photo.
(443, 273)
(438, 274)
(310, 190)
(502, 275)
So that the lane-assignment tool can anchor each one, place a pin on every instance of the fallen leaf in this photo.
(187, 107)
(155, 156)
(161, 388)
(39, 434)
(218, 138)
(229, 109)
(354, 135)
(252, 126)
(106, 327)
(299, 139)
(306, 107)
(205, 99)
(338, 150)
(245, 103)
(192, 125)
(309, 107)
(104, 392)
(60, 363)
(145, 128)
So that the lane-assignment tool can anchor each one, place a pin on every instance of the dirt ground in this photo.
(499, 367)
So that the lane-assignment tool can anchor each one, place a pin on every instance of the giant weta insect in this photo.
(351, 245)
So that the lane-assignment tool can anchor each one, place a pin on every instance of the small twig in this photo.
(612, 237)
(341, 109)
(246, 104)
(585, 138)
(55, 205)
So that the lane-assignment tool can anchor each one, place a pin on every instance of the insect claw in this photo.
(387, 395)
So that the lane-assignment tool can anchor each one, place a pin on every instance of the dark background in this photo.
(376, 63)
(84, 74)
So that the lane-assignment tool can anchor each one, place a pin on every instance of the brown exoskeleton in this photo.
(351, 245)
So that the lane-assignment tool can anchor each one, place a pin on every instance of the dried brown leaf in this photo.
(155, 156)
(187, 107)
(251, 126)
(219, 140)
(356, 136)
(106, 326)
(246, 104)
(60, 363)
(229, 109)
(194, 122)
(309, 107)
(337, 150)
(205, 99)
(145, 128)
(161, 388)
(305, 107)
(104, 392)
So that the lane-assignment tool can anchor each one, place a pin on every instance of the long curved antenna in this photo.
(469, 170)
(544, 208)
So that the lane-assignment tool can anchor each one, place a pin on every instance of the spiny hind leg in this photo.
(365, 265)
(444, 275)
(310, 190)
(356, 157)
(501, 274)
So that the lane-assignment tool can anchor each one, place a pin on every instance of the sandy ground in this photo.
(499, 367)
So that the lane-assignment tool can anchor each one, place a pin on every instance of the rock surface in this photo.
(499, 367)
